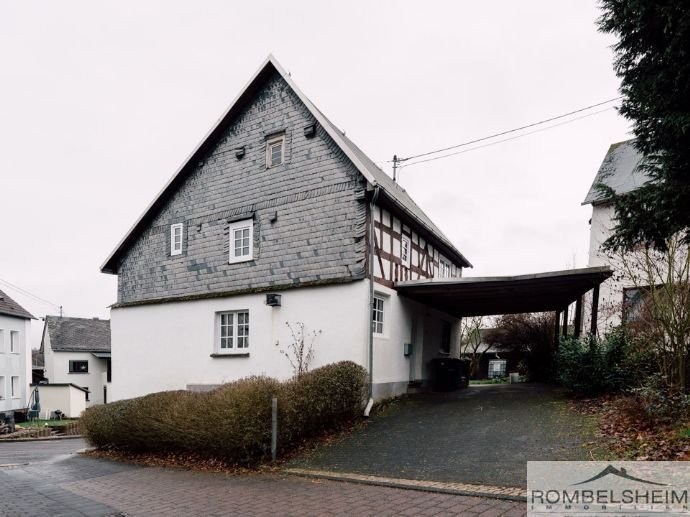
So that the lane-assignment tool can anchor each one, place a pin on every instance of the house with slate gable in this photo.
(620, 170)
(15, 354)
(76, 353)
(276, 218)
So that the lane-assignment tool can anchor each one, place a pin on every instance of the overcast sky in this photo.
(101, 102)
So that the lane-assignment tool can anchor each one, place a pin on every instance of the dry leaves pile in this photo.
(624, 432)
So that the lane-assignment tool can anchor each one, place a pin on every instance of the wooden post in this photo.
(274, 428)
(595, 309)
(557, 329)
(565, 321)
(578, 317)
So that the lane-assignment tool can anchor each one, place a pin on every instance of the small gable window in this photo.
(405, 251)
(241, 241)
(176, 238)
(275, 151)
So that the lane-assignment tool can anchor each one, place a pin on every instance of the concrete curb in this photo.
(42, 438)
(492, 492)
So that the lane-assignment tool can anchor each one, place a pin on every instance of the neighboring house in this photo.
(38, 369)
(620, 170)
(269, 222)
(76, 351)
(493, 361)
(15, 356)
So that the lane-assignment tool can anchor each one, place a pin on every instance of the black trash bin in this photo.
(448, 374)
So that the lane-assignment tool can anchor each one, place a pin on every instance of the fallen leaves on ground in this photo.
(625, 433)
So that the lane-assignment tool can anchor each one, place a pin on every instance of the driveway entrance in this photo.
(480, 435)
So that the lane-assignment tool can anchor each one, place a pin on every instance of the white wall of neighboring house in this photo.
(611, 291)
(57, 371)
(14, 364)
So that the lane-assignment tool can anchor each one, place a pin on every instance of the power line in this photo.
(29, 294)
(476, 140)
(506, 139)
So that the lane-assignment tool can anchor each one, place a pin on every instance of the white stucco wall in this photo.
(57, 371)
(15, 364)
(611, 291)
(168, 346)
(406, 321)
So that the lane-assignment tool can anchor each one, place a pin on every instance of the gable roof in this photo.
(77, 334)
(619, 170)
(11, 308)
(372, 173)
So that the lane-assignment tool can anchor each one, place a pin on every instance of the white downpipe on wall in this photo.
(372, 256)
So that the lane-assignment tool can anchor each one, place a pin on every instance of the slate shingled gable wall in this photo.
(318, 196)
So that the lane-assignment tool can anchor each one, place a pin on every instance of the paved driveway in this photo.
(480, 435)
(61, 483)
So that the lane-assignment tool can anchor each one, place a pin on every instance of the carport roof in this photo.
(483, 296)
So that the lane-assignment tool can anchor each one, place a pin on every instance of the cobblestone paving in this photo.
(66, 485)
(481, 435)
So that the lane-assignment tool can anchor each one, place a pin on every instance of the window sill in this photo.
(78, 373)
(241, 354)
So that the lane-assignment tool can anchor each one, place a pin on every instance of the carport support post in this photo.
(557, 329)
(578, 317)
(595, 309)
(565, 321)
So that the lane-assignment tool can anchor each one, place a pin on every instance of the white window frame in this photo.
(15, 345)
(15, 388)
(3, 387)
(444, 268)
(241, 225)
(405, 260)
(238, 329)
(176, 247)
(2, 341)
(378, 310)
(270, 144)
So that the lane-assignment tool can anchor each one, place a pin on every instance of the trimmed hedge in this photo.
(232, 422)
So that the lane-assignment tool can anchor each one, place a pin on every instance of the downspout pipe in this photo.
(372, 257)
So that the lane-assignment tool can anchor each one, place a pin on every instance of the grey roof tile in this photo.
(78, 334)
(11, 308)
(620, 170)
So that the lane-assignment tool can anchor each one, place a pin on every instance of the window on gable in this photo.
(275, 151)
(78, 367)
(15, 387)
(14, 342)
(378, 314)
(176, 231)
(405, 251)
(232, 332)
(443, 269)
(241, 241)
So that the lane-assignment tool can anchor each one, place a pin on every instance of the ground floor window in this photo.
(15, 387)
(233, 332)
(497, 368)
(78, 367)
(2, 387)
(377, 314)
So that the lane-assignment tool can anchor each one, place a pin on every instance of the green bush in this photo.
(590, 366)
(232, 422)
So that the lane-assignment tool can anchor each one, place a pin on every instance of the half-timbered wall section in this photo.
(402, 253)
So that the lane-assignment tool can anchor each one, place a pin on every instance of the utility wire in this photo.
(504, 139)
(30, 295)
(551, 119)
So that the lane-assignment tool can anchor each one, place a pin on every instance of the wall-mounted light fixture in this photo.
(273, 300)
(239, 152)
(310, 131)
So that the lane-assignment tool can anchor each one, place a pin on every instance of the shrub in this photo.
(591, 366)
(661, 401)
(232, 422)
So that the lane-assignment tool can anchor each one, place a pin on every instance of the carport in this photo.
(539, 292)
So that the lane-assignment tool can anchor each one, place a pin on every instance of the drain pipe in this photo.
(372, 256)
